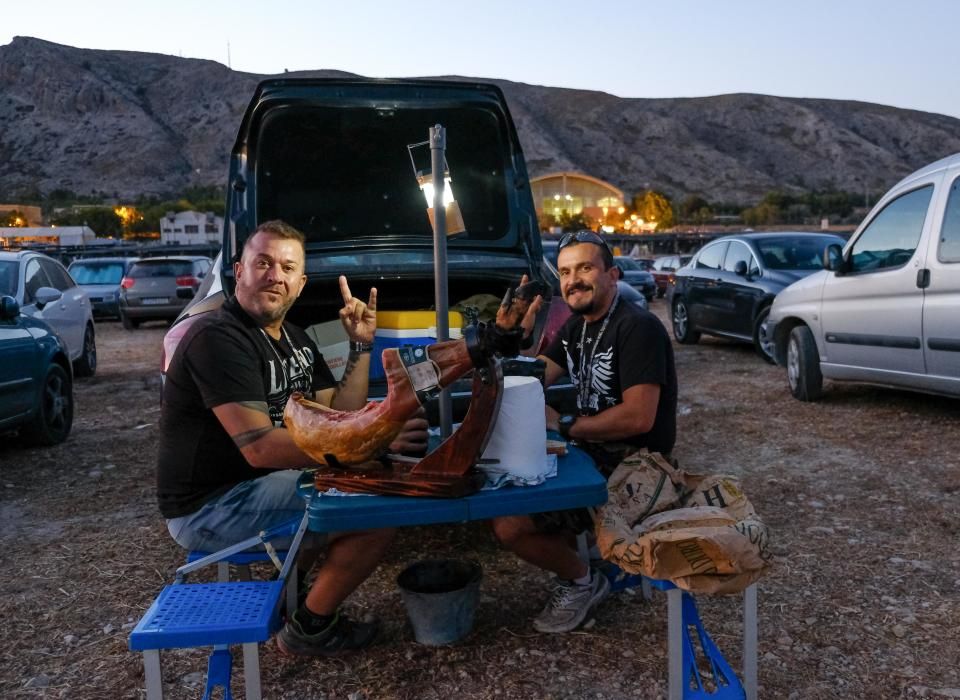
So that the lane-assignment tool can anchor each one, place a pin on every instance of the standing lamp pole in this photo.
(438, 147)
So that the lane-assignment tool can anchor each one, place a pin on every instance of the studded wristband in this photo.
(358, 347)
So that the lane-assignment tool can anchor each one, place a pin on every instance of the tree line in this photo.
(63, 207)
(774, 208)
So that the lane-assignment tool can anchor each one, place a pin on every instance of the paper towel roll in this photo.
(519, 438)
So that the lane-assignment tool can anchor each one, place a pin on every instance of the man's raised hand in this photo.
(359, 320)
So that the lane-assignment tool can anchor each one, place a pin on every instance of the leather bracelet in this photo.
(359, 346)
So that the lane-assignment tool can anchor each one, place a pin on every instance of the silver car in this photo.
(885, 310)
(159, 288)
(45, 290)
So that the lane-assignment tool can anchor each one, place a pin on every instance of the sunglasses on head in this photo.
(581, 237)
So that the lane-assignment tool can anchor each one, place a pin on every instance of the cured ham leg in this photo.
(345, 438)
(354, 437)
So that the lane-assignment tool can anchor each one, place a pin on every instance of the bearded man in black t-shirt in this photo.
(620, 360)
(227, 468)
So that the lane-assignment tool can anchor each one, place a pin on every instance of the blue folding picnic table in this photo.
(577, 485)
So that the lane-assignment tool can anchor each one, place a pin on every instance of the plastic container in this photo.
(441, 597)
(396, 328)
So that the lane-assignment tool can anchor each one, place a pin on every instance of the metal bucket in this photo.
(441, 598)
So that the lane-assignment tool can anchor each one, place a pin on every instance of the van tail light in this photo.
(187, 281)
(126, 282)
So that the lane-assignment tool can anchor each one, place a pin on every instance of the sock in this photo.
(310, 622)
(584, 580)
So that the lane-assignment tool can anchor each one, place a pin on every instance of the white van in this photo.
(886, 310)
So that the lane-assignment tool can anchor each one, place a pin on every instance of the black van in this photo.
(331, 158)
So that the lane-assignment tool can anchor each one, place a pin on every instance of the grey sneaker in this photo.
(569, 605)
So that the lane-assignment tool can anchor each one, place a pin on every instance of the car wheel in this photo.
(86, 364)
(762, 342)
(803, 365)
(682, 330)
(54, 416)
(129, 323)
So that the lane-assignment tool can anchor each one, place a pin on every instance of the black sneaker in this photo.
(341, 637)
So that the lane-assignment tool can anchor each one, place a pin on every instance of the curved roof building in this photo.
(575, 193)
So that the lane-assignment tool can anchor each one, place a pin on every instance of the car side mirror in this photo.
(740, 268)
(833, 259)
(47, 295)
(9, 308)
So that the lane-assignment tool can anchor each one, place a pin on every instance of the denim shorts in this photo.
(242, 512)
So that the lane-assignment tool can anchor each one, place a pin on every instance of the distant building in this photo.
(577, 193)
(32, 216)
(187, 227)
(46, 236)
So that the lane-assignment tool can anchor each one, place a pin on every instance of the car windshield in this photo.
(794, 252)
(8, 278)
(97, 272)
(161, 268)
(628, 263)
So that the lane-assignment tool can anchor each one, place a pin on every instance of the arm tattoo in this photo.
(351, 364)
(248, 437)
(258, 406)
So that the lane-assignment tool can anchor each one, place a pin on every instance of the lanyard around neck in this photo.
(586, 366)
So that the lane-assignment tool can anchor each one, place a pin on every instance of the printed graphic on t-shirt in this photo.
(601, 379)
(295, 374)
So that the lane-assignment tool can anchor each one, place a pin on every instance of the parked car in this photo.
(330, 157)
(728, 286)
(663, 271)
(631, 295)
(36, 381)
(636, 276)
(644, 263)
(158, 289)
(100, 278)
(885, 310)
(43, 289)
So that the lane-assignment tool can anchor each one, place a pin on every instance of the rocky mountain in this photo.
(126, 123)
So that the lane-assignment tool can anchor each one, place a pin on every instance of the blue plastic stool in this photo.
(685, 680)
(243, 560)
(210, 614)
(219, 614)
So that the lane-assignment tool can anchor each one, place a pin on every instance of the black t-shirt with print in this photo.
(224, 358)
(634, 349)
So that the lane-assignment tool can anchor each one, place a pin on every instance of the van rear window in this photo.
(345, 173)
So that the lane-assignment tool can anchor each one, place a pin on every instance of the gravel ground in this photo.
(860, 491)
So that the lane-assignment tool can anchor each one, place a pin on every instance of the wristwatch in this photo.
(565, 423)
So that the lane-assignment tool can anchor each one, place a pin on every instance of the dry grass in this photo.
(859, 490)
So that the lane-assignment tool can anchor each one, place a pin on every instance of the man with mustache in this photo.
(227, 468)
(620, 360)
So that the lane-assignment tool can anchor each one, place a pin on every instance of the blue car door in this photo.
(18, 364)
